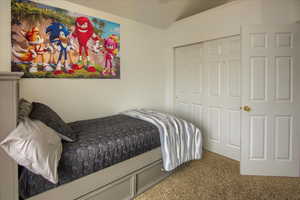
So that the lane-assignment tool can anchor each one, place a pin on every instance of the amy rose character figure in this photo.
(58, 35)
(110, 51)
(35, 51)
(84, 31)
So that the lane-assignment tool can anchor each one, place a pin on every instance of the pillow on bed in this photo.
(24, 110)
(46, 115)
(35, 146)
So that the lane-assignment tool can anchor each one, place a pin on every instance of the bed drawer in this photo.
(149, 176)
(122, 189)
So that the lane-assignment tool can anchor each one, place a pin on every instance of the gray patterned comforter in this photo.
(180, 140)
(101, 143)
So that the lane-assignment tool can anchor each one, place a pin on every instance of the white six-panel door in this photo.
(208, 92)
(271, 89)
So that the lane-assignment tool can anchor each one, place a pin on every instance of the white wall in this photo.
(295, 13)
(280, 11)
(215, 23)
(5, 35)
(225, 21)
(142, 73)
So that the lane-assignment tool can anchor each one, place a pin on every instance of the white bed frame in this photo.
(122, 181)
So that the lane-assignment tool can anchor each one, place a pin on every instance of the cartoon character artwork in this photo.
(110, 51)
(36, 50)
(54, 42)
(58, 35)
(84, 31)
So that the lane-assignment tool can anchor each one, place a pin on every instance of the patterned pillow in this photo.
(24, 110)
(46, 115)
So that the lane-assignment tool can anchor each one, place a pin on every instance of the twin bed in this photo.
(115, 157)
(101, 143)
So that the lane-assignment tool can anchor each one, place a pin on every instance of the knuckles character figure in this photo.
(84, 31)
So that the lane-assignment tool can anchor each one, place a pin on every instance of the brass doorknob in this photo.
(246, 108)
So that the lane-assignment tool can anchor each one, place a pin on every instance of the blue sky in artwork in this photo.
(111, 28)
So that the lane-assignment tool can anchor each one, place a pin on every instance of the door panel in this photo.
(197, 110)
(234, 127)
(181, 74)
(270, 141)
(182, 110)
(234, 78)
(284, 82)
(284, 40)
(258, 137)
(283, 142)
(258, 78)
(214, 69)
(214, 123)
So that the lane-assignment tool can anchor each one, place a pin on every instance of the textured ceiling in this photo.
(157, 13)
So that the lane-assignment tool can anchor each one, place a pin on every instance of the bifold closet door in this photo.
(271, 98)
(207, 92)
(223, 96)
(188, 83)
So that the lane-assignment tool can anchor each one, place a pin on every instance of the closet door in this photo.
(231, 101)
(271, 85)
(182, 106)
(214, 71)
(189, 83)
(222, 108)
(207, 92)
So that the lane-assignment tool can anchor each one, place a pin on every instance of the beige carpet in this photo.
(217, 177)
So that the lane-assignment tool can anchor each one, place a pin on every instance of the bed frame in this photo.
(122, 181)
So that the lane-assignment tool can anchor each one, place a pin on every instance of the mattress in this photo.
(101, 143)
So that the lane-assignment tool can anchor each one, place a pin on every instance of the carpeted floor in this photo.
(216, 177)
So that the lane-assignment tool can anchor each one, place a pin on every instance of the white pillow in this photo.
(35, 146)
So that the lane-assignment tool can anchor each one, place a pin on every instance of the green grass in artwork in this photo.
(82, 73)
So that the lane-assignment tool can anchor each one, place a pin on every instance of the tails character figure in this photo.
(34, 51)
(58, 35)
(84, 31)
(110, 50)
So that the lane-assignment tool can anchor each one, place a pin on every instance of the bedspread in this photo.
(101, 143)
(180, 140)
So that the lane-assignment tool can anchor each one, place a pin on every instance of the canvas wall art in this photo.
(49, 42)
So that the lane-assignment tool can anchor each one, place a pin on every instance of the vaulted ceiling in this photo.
(157, 13)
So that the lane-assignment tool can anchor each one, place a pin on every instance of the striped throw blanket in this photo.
(180, 140)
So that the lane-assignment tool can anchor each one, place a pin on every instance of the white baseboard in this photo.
(224, 151)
